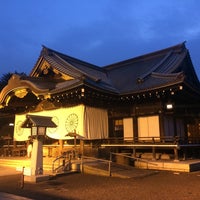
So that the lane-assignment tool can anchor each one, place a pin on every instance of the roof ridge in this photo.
(69, 57)
(178, 47)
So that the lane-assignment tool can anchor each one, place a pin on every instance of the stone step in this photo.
(12, 162)
(19, 162)
(24, 162)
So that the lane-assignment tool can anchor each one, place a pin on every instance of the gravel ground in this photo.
(163, 185)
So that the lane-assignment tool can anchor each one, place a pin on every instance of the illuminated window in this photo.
(118, 124)
(148, 126)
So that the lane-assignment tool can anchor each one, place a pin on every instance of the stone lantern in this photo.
(38, 125)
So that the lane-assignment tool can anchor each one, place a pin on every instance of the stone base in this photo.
(36, 178)
(75, 167)
(179, 166)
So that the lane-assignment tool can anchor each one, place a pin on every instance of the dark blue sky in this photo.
(100, 32)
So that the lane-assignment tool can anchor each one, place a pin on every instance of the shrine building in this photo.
(150, 103)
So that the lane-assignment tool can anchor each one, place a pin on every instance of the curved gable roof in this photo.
(82, 72)
(72, 66)
(152, 71)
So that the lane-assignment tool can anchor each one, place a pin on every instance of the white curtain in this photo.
(21, 134)
(95, 123)
(67, 120)
(91, 123)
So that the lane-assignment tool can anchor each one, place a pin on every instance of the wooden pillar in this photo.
(60, 146)
(82, 147)
(135, 129)
(14, 144)
(176, 154)
(134, 152)
(154, 153)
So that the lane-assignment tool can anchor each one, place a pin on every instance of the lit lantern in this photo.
(38, 125)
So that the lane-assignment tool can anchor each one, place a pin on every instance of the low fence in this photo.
(61, 162)
(95, 161)
(123, 155)
(107, 165)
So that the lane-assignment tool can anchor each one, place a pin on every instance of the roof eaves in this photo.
(67, 85)
(101, 86)
(151, 89)
(38, 121)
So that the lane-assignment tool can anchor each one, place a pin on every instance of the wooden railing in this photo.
(153, 140)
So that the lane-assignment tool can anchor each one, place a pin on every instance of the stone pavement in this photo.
(162, 185)
(8, 171)
(122, 173)
(117, 171)
(7, 196)
(130, 172)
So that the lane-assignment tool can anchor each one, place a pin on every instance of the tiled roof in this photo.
(74, 67)
(158, 69)
(147, 72)
(39, 121)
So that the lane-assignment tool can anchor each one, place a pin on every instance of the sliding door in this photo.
(148, 127)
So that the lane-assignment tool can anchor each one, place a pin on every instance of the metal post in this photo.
(82, 165)
(110, 156)
(109, 168)
(22, 179)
